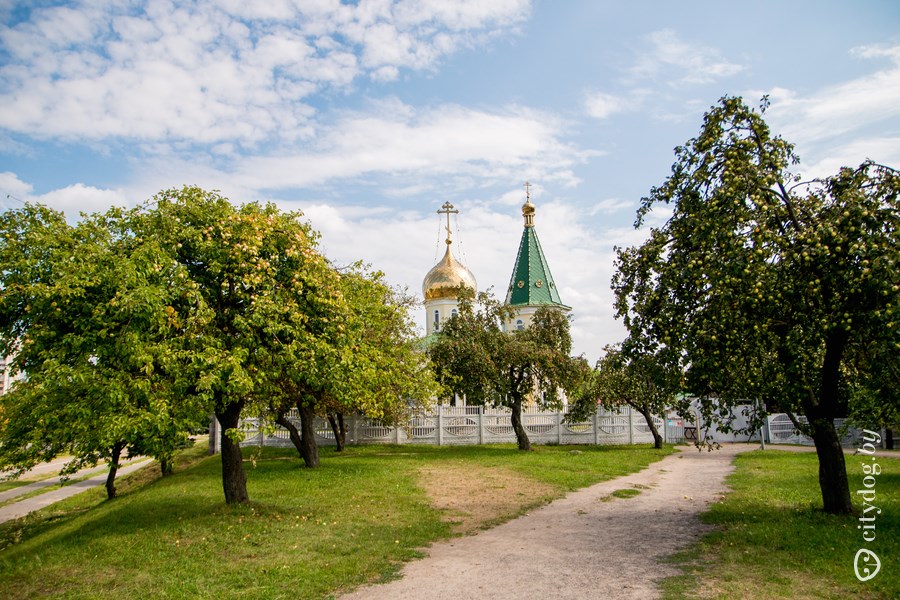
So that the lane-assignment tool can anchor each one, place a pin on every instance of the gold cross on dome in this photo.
(448, 209)
(527, 191)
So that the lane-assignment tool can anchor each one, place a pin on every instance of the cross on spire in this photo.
(528, 207)
(448, 209)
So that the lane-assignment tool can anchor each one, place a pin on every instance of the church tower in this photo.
(441, 284)
(531, 285)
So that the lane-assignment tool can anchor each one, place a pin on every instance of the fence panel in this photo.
(782, 431)
(463, 425)
(469, 425)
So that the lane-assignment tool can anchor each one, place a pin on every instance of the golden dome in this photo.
(445, 277)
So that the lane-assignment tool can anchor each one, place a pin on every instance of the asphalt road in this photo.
(21, 508)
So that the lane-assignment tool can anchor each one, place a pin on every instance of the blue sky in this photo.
(369, 115)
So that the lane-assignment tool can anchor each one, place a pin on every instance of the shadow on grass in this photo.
(306, 533)
(772, 536)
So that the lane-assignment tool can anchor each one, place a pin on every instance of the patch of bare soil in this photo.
(591, 544)
(472, 500)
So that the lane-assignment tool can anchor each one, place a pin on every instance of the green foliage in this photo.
(258, 272)
(760, 285)
(770, 538)
(134, 325)
(645, 382)
(361, 356)
(473, 356)
(96, 320)
(365, 358)
(288, 329)
(873, 382)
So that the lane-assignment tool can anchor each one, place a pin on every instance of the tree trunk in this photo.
(516, 419)
(309, 450)
(657, 438)
(113, 468)
(821, 412)
(339, 428)
(234, 480)
(293, 432)
(832, 468)
(166, 465)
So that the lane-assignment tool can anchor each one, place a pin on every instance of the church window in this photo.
(520, 325)
(453, 313)
(437, 320)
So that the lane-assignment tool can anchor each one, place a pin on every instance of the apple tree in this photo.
(472, 355)
(365, 360)
(96, 319)
(759, 283)
(645, 382)
(259, 273)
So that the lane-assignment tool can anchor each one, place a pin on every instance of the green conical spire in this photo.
(531, 283)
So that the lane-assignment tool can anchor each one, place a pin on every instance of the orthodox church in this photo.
(530, 286)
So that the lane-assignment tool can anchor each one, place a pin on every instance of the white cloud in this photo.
(843, 124)
(883, 150)
(601, 105)
(835, 110)
(72, 199)
(610, 206)
(213, 72)
(680, 62)
(443, 141)
(11, 185)
(878, 51)
(80, 198)
(397, 149)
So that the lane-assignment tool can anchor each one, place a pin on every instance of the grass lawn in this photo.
(11, 484)
(774, 541)
(306, 534)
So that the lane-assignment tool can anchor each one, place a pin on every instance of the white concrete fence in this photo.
(470, 425)
(780, 430)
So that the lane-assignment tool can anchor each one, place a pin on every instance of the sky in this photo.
(368, 116)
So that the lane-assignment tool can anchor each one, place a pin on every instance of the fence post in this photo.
(480, 425)
(665, 429)
(355, 429)
(214, 436)
(630, 426)
(440, 424)
(596, 420)
(397, 434)
(559, 420)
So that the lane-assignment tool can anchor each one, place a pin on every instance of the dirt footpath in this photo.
(589, 544)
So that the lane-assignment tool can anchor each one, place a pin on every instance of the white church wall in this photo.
(438, 312)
